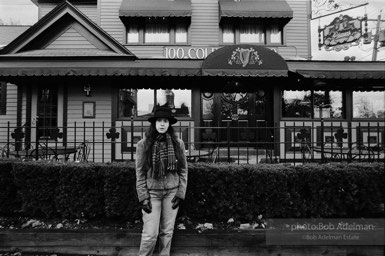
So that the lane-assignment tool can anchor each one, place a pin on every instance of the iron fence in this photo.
(293, 142)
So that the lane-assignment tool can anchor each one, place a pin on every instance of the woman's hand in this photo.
(176, 201)
(146, 206)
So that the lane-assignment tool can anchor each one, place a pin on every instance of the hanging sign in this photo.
(343, 32)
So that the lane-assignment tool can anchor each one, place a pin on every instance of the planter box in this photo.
(124, 242)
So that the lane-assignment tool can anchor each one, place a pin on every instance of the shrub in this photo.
(120, 191)
(9, 199)
(216, 192)
(80, 191)
(37, 183)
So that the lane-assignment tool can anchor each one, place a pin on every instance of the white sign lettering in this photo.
(188, 52)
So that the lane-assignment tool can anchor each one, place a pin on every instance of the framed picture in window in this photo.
(88, 109)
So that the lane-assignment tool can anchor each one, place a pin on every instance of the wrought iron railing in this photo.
(291, 142)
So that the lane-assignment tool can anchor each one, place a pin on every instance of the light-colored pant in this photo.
(160, 222)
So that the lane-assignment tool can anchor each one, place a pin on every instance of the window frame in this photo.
(266, 32)
(352, 105)
(312, 106)
(142, 22)
(145, 117)
(3, 98)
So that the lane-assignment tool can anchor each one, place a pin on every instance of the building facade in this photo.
(237, 74)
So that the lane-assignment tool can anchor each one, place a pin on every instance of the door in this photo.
(235, 116)
(242, 116)
(47, 109)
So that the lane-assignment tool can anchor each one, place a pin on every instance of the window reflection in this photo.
(133, 102)
(296, 104)
(328, 104)
(369, 104)
(178, 100)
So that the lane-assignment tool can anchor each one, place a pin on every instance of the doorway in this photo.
(47, 112)
(242, 116)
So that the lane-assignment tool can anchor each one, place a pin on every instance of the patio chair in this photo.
(82, 153)
(43, 152)
(213, 156)
(361, 152)
(6, 149)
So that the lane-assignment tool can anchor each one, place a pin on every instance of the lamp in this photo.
(87, 89)
(45, 94)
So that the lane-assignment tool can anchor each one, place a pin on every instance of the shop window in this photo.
(369, 104)
(312, 104)
(328, 104)
(3, 98)
(141, 102)
(252, 33)
(157, 31)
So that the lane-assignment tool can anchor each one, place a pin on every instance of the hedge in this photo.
(216, 192)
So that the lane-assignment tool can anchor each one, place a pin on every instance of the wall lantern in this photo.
(44, 94)
(87, 89)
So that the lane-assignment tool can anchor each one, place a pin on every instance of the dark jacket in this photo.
(146, 181)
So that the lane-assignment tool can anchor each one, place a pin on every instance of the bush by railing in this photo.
(215, 191)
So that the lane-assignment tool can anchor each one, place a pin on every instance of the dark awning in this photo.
(338, 69)
(35, 67)
(255, 9)
(245, 60)
(155, 8)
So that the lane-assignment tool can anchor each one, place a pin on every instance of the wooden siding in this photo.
(11, 113)
(89, 10)
(109, 19)
(143, 51)
(297, 31)
(71, 39)
(101, 95)
(204, 23)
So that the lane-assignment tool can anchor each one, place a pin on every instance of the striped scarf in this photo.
(163, 156)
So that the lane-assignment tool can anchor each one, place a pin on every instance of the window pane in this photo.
(228, 33)
(127, 102)
(250, 33)
(328, 104)
(132, 34)
(3, 98)
(178, 100)
(181, 33)
(369, 104)
(275, 34)
(157, 33)
(145, 101)
(296, 104)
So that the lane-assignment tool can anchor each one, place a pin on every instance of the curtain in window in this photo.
(275, 34)
(228, 33)
(133, 34)
(250, 33)
(181, 33)
(157, 33)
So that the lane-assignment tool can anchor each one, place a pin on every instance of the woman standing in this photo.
(161, 181)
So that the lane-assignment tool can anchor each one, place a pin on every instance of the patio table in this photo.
(193, 155)
(343, 153)
(45, 152)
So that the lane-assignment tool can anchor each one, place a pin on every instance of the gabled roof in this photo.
(47, 37)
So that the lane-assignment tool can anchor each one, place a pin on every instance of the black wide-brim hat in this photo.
(163, 112)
